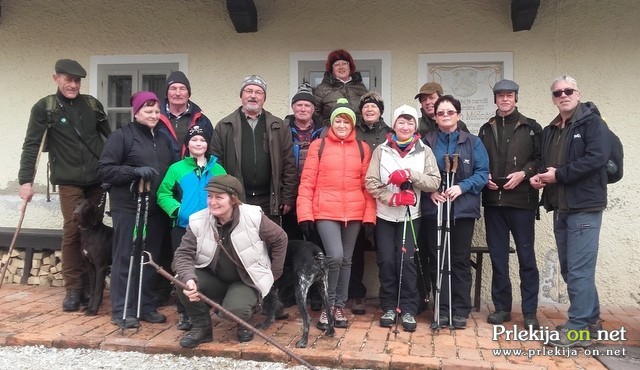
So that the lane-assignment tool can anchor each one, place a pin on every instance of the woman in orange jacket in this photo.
(332, 197)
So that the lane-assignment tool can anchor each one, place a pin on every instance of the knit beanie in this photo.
(343, 107)
(372, 97)
(140, 98)
(254, 80)
(177, 77)
(404, 110)
(304, 93)
(195, 131)
(227, 184)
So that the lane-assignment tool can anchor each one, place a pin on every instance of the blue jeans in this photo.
(577, 237)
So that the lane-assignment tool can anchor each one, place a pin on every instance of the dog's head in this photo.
(87, 214)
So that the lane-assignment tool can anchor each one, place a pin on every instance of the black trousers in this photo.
(461, 236)
(391, 237)
(499, 221)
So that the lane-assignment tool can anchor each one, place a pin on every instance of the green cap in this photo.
(343, 107)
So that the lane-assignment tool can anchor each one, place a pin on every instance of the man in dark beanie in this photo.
(75, 170)
(305, 127)
(179, 113)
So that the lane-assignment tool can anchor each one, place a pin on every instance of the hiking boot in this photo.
(197, 335)
(71, 301)
(388, 319)
(408, 322)
(184, 323)
(358, 307)
(244, 334)
(323, 321)
(563, 340)
(593, 328)
(444, 322)
(531, 321)
(153, 317)
(340, 318)
(128, 323)
(459, 322)
(499, 317)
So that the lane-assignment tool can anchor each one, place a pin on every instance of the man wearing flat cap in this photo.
(76, 127)
(256, 147)
(427, 96)
(513, 143)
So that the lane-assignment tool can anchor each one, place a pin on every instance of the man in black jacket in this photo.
(575, 150)
(76, 127)
(510, 203)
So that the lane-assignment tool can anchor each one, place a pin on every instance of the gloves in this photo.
(145, 172)
(403, 198)
(307, 228)
(369, 229)
(398, 177)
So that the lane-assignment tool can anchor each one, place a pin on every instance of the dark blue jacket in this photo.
(583, 177)
(472, 174)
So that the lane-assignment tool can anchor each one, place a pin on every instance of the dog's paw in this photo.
(330, 332)
(89, 312)
(302, 343)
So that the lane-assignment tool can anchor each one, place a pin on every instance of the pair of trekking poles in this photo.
(443, 240)
(139, 239)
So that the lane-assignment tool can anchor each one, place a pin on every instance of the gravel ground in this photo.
(42, 358)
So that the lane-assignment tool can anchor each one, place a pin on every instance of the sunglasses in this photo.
(567, 92)
(449, 112)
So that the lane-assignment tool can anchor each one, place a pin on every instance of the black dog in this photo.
(304, 266)
(96, 240)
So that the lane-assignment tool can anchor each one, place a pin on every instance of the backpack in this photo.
(615, 163)
(51, 111)
(321, 149)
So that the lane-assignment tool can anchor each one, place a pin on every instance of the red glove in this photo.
(398, 177)
(403, 198)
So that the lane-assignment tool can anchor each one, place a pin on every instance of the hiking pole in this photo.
(417, 253)
(403, 250)
(133, 252)
(145, 218)
(451, 180)
(227, 313)
(440, 254)
(23, 209)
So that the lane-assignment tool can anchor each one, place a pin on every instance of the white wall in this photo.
(595, 41)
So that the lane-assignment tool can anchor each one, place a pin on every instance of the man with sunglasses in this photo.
(513, 143)
(575, 150)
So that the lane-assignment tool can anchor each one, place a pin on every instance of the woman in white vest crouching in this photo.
(232, 253)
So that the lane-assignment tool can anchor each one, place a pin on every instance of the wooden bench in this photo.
(31, 240)
(477, 264)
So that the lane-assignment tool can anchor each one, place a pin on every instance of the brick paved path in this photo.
(33, 316)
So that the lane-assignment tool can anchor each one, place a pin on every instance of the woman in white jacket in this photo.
(400, 169)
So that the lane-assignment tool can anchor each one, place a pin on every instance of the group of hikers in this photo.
(221, 201)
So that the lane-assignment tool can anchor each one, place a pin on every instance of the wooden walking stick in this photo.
(23, 209)
(227, 313)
